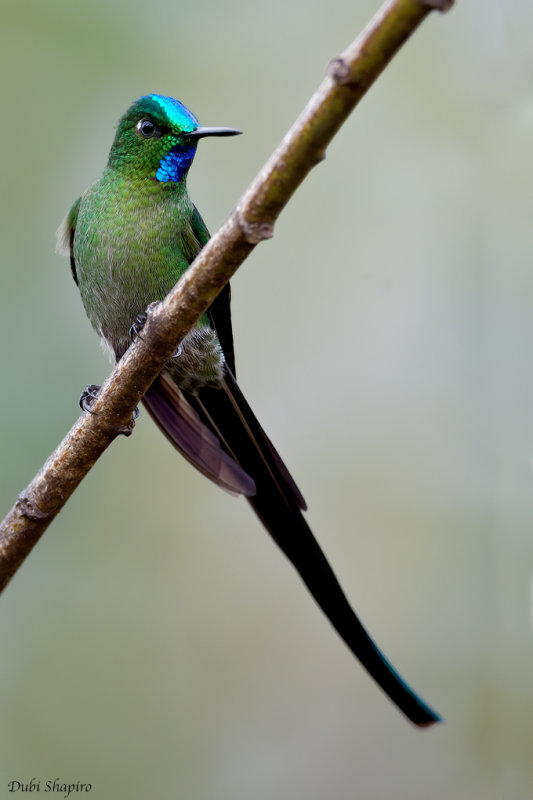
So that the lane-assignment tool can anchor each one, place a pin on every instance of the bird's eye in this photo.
(146, 128)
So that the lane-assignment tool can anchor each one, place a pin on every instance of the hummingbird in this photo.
(130, 237)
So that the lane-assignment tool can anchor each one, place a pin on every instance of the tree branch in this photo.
(348, 78)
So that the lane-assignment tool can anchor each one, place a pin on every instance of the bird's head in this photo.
(157, 138)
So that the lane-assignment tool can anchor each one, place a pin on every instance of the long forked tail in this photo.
(278, 503)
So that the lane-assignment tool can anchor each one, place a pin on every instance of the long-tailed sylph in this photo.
(130, 237)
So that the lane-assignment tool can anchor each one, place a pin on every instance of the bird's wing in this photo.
(173, 411)
(181, 424)
(220, 309)
(220, 316)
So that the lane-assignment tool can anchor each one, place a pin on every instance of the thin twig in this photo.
(348, 78)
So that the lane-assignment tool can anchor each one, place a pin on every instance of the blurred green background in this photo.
(156, 644)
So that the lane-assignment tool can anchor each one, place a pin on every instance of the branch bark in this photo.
(348, 78)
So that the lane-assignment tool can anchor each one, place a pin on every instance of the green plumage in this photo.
(134, 239)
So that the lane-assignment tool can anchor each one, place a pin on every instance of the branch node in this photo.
(126, 430)
(28, 508)
(339, 71)
(254, 232)
(438, 5)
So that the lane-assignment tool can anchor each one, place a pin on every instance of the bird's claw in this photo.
(89, 396)
(138, 325)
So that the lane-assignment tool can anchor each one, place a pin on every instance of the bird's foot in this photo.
(89, 396)
(138, 325)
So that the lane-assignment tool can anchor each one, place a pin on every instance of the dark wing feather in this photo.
(181, 424)
(220, 317)
(220, 309)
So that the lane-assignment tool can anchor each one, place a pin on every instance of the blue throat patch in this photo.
(176, 163)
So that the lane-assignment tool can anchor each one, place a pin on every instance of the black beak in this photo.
(199, 133)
